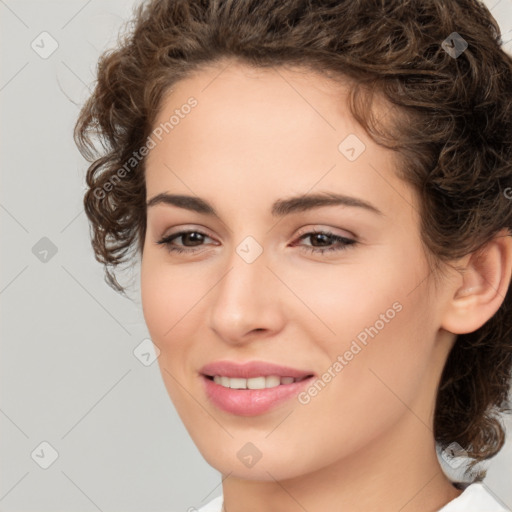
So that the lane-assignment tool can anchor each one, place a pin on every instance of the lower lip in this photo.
(251, 402)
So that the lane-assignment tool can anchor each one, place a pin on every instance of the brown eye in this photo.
(190, 239)
(323, 241)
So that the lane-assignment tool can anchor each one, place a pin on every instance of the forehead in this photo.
(230, 90)
(268, 130)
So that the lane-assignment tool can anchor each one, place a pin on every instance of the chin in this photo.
(274, 466)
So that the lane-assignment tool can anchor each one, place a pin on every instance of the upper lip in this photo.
(251, 369)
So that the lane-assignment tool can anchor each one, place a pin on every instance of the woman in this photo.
(320, 196)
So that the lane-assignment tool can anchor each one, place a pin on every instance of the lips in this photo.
(252, 369)
(251, 402)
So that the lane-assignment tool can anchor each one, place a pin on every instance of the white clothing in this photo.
(212, 506)
(475, 498)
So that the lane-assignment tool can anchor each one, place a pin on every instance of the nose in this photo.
(246, 303)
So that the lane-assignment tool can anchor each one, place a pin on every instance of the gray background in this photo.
(69, 376)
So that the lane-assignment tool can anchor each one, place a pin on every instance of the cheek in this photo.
(341, 300)
(386, 351)
(157, 299)
(382, 335)
(167, 295)
(168, 308)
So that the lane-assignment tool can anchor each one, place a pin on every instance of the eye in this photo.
(194, 237)
(326, 239)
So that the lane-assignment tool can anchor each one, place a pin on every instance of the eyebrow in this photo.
(280, 208)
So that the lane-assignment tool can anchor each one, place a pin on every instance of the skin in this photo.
(365, 442)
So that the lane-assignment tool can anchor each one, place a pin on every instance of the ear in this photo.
(482, 287)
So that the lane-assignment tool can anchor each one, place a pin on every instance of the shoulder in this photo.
(475, 498)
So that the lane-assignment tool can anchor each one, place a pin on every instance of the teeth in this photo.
(254, 383)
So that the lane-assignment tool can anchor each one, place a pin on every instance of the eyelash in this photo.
(166, 241)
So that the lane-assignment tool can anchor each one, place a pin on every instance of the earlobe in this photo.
(485, 279)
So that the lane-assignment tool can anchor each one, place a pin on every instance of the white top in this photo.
(475, 498)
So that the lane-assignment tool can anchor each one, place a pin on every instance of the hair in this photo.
(451, 129)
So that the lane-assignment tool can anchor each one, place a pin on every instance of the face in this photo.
(338, 290)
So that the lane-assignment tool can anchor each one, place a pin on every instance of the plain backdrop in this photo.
(74, 397)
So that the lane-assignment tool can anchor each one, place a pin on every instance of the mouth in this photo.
(254, 388)
(259, 382)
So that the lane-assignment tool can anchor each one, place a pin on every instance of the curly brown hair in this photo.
(451, 127)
